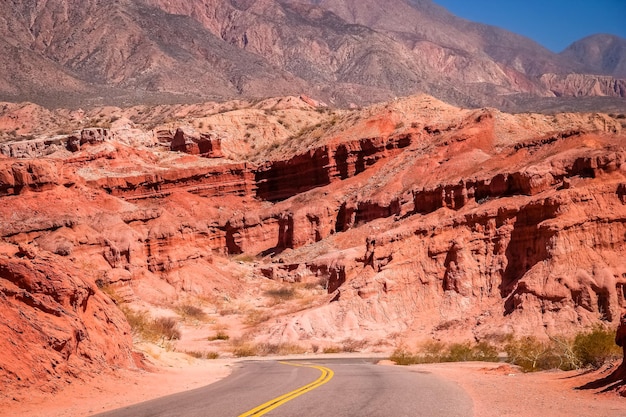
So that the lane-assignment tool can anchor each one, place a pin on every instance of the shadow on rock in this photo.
(610, 382)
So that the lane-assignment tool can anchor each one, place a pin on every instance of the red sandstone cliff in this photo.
(419, 220)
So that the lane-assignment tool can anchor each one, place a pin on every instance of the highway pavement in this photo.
(314, 387)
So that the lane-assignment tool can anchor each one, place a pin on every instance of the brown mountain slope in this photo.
(131, 46)
(603, 54)
(340, 51)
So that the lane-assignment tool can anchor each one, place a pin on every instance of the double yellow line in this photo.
(326, 376)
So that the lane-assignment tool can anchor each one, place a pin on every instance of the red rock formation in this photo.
(56, 325)
(418, 219)
(206, 145)
(620, 336)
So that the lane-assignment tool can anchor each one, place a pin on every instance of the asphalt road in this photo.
(355, 387)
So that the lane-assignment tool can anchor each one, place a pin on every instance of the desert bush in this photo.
(264, 349)
(202, 355)
(352, 345)
(331, 349)
(281, 294)
(220, 335)
(244, 258)
(245, 349)
(150, 329)
(166, 328)
(484, 352)
(459, 352)
(254, 317)
(109, 291)
(434, 352)
(189, 311)
(596, 347)
(403, 357)
(531, 354)
(591, 348)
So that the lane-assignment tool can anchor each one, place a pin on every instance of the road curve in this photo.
(357, 388)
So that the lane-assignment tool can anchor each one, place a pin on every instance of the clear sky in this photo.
(552, 23)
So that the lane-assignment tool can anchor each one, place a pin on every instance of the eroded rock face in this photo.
(55, 325)
(419, 219)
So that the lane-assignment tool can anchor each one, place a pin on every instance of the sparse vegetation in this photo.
(188, 311)
(109, 291)
(434, 352)
(244, 258)
(331, 349)
(353, 345)
(220, 335)
(592, 348)
(202, 355)
(255, 316)
(596, 347)
(150, 329)
(243, 349)
(281, 294)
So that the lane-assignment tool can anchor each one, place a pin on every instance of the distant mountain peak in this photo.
(71, 52)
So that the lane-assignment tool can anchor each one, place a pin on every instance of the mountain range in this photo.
(71, 52)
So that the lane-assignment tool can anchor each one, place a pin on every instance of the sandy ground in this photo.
(121, 388)
(500, 390)
(496, 389)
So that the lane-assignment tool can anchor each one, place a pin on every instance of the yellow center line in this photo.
(265, 408)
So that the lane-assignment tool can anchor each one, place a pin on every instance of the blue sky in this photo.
(553, 23)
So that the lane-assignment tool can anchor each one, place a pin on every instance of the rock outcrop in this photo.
(413, 218)
(56, 326)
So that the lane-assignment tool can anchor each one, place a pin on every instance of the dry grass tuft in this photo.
(150, 329)
(188, 311)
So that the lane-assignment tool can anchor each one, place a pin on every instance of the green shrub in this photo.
(596, 347)
(459, 352)
(402, 357)
(531, 355)
(435, 352)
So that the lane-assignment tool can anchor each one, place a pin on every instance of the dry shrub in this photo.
(282, 294)
(151, 329)
(265, 349)
(245, 349)
(220, 335)
(109, 291)
(353, 345)
(166, 328)
(403, 357)
(189, 311)
(331, 349)
(202, 355)
(254, 317)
